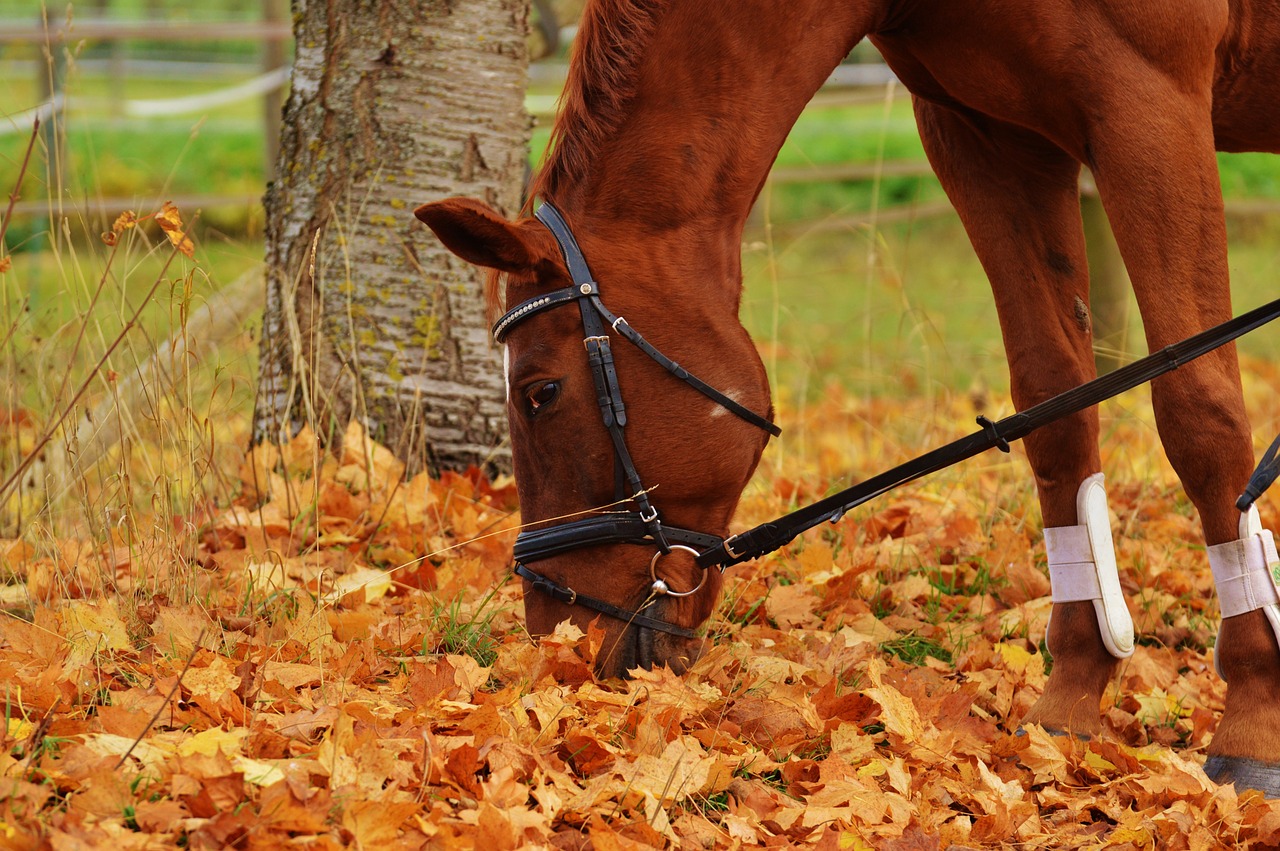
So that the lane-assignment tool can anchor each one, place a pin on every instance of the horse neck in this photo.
(718, 88)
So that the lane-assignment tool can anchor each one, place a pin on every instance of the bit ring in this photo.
(660, 585)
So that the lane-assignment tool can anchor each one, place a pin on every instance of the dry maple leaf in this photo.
(123, 222)
(170, 220)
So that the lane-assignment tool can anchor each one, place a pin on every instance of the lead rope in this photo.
(775, 534)
(1267, 471)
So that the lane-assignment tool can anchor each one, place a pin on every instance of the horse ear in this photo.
(474, 232)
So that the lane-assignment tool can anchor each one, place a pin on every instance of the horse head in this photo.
(626, 468)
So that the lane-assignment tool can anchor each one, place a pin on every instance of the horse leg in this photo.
(1018, 198)
(1158, 177)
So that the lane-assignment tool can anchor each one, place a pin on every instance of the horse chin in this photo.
(677, 653)
(644, 648)
(632, 647)
(625, 646)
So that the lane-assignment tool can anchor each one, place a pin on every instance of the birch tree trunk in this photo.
(393, 103)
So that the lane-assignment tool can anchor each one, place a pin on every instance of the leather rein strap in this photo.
(643, 526)
(573, 598)
(775, 534)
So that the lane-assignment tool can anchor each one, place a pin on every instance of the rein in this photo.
(775, 534)
(644, 526)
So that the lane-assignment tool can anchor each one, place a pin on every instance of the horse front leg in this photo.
(1018, 198)
(1157, 173)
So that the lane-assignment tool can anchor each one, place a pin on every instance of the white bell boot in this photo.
(1082, 566)
(1245, 573)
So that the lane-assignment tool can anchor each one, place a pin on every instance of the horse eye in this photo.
(542, 395)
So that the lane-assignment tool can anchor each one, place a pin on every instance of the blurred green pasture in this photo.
(893, 306)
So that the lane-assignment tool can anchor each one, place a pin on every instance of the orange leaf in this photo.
(123, 222)
(170, 220)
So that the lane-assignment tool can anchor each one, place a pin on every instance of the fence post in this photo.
(1108, 283)
(273, 102)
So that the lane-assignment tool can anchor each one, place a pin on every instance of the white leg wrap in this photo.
(1244, 572)
(1082, 566)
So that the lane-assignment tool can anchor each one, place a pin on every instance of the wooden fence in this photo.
(849, 85)
(271, 33)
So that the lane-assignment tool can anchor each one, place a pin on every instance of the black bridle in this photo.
(644, 525)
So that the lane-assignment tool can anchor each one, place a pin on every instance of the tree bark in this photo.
(393, 103)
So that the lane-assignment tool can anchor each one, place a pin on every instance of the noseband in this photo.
(642, 526)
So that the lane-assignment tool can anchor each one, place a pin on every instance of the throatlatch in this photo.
(1244, 572)
(1082, 566)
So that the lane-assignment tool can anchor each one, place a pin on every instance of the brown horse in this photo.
(672, 116)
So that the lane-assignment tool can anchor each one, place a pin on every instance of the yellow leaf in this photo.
(1158, 707)
(93, 628)
(866, 628)
(375, 824)
(1140, 837)
(170, 221)
(177, 629)
(1098, 762)
(468, 673)
(146, 751)
(19, 730)
(851, 744)
(1043, 756)
(1009, 790)
(215, 739)
(680, 772)
(1015, 657)
(213, 681)
(850, 841)
(382, 467)
(123, 222)
(873, 768)
(257, 771)
(898, 713)
(292, 676)
(375, 584)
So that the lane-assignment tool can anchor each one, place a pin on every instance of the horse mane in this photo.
(612, 37)
(602, 80)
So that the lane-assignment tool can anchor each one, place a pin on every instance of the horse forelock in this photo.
(602, 81)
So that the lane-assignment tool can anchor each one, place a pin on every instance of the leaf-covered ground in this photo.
(290, 670)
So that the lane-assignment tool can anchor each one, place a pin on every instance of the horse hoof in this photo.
(1245, 773)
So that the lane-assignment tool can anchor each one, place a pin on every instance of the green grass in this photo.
(463, 633)
(915, 649)
(906, 308)
(869, 309)
(112, 156)
(218, 10)
(901, 308)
